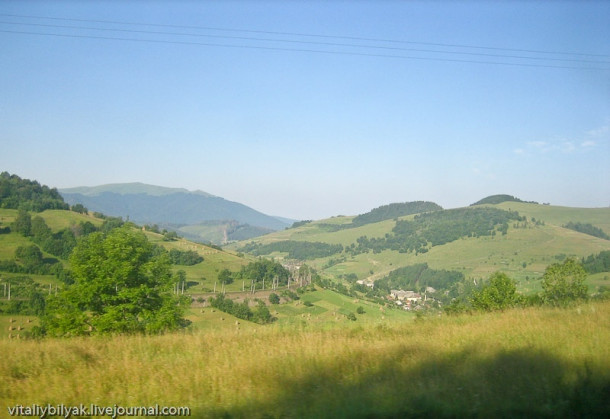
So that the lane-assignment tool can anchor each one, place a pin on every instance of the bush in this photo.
(274, 298)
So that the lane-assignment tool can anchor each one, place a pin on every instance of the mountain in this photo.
(150, 204)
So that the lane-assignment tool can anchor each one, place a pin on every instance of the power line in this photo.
(268, 48)
(355, 38)
(331, 44)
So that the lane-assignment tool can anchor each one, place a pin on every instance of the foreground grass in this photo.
(542, 362)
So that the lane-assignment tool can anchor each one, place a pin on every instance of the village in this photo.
(407, 300)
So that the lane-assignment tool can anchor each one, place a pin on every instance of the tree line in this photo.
(438, 228)
(587, 228)
(18, 193)
(299, 250)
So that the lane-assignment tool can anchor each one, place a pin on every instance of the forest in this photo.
(298, 250)
(587, 228)
(17, 193)
(438, 228)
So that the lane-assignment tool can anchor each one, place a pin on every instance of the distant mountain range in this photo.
(176, 208)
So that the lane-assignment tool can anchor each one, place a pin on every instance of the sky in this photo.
(308, 110)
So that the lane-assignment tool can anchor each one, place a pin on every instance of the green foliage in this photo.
(170, 235)
(274, 298)
(587, 228)
(186, 258)
(261, 313)
(291, 295)
(564, 283)
(80, 208)
(417, 277)
(498, 294)
(498, 199)
(264, 270)
(438, 228)
(30, 256)
(58, 244)
(23, 223)
(388, 212)
(597, 263)
(225, 276)
(120, 287)
(299, 223)
(17, 193)
(351, 316)
(299, 250)
(242, 310)
(27, 297)
(360, 310)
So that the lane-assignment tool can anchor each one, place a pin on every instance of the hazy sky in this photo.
(311, 109)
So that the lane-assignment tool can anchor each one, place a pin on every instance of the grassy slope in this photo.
(206, 272)
(490, 365)
(536, 246)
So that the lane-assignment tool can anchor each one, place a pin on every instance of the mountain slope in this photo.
(154, 204)
(521, 247)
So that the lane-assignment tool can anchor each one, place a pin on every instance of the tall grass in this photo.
(544, 362)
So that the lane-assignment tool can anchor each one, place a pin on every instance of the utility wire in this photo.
(268, 48)
(309, 35)
(332, 44)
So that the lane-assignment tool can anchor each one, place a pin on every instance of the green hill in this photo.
(522, 245)
(498, 199)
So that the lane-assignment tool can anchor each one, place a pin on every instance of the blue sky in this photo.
(312, 109)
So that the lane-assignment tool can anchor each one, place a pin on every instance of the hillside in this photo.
(530, 238)
(176, 209)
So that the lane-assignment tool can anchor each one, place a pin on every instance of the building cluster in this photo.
(410, 300)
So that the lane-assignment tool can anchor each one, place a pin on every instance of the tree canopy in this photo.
(498, 294)
(564, 283)
(121, 286)
(17, 193)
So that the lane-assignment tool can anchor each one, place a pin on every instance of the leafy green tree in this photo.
(120, 287)
(80, 208)
(30, 256)
(563, 283)
(39, 229)
(225, 276)
(23, 223)
(261, 313)
(499, 294)
(274, 298)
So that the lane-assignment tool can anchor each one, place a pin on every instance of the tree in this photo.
(261, 313)
(80, 208)
(225, 276)
(30, 256)
(120, 286)
(564, 283)
(499, 294)
(274, 298)
(23, 223)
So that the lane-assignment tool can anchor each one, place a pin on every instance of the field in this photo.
(529, 362)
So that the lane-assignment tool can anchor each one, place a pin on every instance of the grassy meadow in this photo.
(525, 362)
